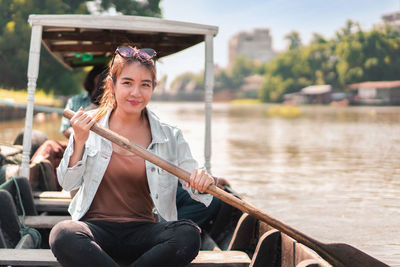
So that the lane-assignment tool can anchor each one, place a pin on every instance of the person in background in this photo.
(112, 212)
(84, 99)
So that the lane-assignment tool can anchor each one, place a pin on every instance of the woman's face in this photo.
(133, 88)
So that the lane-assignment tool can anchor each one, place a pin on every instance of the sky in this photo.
(279, 16)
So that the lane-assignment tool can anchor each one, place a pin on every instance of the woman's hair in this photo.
(107, 99)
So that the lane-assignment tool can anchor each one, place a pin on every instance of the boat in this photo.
(241, 235)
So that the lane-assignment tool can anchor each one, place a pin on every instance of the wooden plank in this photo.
(303, 253)
(106, 36)
(44, 257)
(221, 258)
(30, 257)
(52, 194)
(44, 222)
(56, 205)
(287, 251)
(309, 263)
(82, 48)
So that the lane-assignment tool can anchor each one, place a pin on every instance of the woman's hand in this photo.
(81, 123)
(200, 180)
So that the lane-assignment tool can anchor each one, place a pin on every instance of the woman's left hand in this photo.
(200, 180)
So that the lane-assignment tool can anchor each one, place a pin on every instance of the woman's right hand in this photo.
(81, 123)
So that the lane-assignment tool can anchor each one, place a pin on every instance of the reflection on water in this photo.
(332, 173)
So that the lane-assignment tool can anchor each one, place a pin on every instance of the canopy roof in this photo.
(374, 85)
(316, 89)
(82, 40)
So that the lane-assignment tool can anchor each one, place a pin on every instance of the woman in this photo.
(112, 213)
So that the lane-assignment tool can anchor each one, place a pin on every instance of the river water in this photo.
(330, 172)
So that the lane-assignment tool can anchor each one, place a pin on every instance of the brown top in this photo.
(123, 194)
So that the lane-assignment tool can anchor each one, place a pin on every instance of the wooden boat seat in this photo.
(51, 201)
(52, 195)
(44, 257)
(51, 205)
(44, 221)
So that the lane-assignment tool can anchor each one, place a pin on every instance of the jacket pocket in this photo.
(165, 179)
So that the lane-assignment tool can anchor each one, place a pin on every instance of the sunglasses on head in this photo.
(144, 54)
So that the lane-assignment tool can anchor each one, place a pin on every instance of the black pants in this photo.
(101, 243)
(188, 208)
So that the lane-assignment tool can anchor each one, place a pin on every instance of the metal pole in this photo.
(33, 71)
(209, 87)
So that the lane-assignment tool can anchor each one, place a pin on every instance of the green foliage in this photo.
(318, 39)
(150, 8)
(233, 78)
(373, 55)
(15, 35)
(230, 79)
(294, 40)
(183, 80)
(352, 56)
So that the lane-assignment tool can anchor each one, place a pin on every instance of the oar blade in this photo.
(351, 256)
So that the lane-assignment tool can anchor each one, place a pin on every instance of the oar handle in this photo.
(324, 250)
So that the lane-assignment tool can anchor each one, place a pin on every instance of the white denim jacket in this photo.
(167, 142)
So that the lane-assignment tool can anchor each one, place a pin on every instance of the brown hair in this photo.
(107, 100)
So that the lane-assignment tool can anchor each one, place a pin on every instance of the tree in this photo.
(294, 40)
(150, 8)
(15, 39)
(318, 39)
(352, 56)
(347, 30)
(369, 56)
(286, 73)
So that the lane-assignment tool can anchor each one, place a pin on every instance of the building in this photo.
(253, 45)
(375, 93)
(392, 19)
(313, 94)
(317, 94)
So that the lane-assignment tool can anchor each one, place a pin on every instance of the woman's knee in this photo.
(188, 240)
(64, 234)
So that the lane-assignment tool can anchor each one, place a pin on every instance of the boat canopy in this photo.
(86, 40)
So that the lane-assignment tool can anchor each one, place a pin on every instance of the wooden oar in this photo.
(337, 254)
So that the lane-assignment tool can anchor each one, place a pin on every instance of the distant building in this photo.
(254, 45)
(392, 19)
(314, 94)
(375, 93)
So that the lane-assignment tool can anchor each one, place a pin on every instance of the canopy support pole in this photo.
(33, 71)
(208, 97)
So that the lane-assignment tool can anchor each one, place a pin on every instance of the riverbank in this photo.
(13, 103)
(41, 98)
